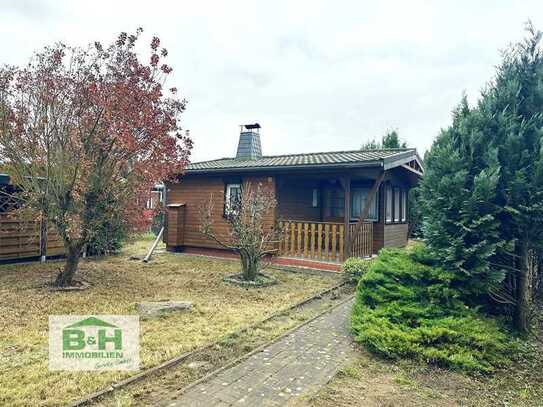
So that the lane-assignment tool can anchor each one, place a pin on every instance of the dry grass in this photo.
(163, 388)
(117, 284)
(371, 381)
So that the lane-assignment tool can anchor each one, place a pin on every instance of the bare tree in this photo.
(249, 234)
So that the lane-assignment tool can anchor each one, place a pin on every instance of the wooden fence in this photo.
(361, 239)
(312, 240)
(21, 238)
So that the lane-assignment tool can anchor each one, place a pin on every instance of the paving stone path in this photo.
(298, 364)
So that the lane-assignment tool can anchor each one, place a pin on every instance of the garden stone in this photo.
(199, 364)
(155, 308)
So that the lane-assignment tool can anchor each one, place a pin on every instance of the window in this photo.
(388, 217)
(232, 198)
(396, 204)
(404, 205)
(315, 202)
(359, 197)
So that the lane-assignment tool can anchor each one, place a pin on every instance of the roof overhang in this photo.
(285, 168)
(402, 160)
(408, 160)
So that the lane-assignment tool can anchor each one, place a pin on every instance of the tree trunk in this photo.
(249, 266)
(65, 277)
(522, 309)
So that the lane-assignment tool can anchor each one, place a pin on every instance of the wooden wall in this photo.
(175, 219)
(379, 227)
(195, 192)
(294, 203)
(295, 200)
(395, 235)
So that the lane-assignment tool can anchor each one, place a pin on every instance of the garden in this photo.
(116, 285)
(456, 319)
(422, 345)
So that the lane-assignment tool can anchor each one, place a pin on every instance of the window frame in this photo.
(375, 218)
(403, 209)
(389, 204)
(398, 202)
(228, 195)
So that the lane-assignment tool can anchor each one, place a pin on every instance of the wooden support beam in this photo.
(412, 169)
(371, 196)
(346, 184)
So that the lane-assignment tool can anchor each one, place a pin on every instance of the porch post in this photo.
(373, 194)
(346, 183)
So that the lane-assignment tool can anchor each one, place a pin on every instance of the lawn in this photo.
(117, 283)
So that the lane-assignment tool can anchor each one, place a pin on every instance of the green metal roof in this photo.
(331, 159)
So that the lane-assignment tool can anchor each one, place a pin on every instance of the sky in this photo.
(316, 75)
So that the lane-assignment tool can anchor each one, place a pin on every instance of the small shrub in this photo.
(354, 268)
(405, 308)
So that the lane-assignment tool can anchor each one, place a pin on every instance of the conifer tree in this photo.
(482, 188)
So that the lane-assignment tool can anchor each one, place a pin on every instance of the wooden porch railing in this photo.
(361, 239)
(312, 240)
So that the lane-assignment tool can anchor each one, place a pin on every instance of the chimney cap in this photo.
(252, 126)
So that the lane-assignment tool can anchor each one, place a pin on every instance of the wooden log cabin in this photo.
(330, 205)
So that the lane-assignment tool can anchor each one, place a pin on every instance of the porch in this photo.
(324, 241)
(328, 217)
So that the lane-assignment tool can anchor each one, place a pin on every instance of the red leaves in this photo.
(166, 69)
(121, 39)
(103, 116)
(155, 43)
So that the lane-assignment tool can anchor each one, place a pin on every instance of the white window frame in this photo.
(389, 204)
(227, 196)
(397, 209)
(404, 205)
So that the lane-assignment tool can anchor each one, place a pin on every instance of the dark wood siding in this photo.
(295, 201)
(175, 221)
(195, 192)
(379, 227)
(395, 235)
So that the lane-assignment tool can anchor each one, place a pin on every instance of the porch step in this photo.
(306, 263)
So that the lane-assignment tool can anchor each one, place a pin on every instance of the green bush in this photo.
(109, 230)
(405, 307)
(354, 268)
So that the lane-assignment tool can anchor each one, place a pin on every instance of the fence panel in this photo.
(21, 236)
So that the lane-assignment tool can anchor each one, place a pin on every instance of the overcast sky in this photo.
(317, 75)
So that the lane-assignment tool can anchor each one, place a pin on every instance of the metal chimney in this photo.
(249, 147)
